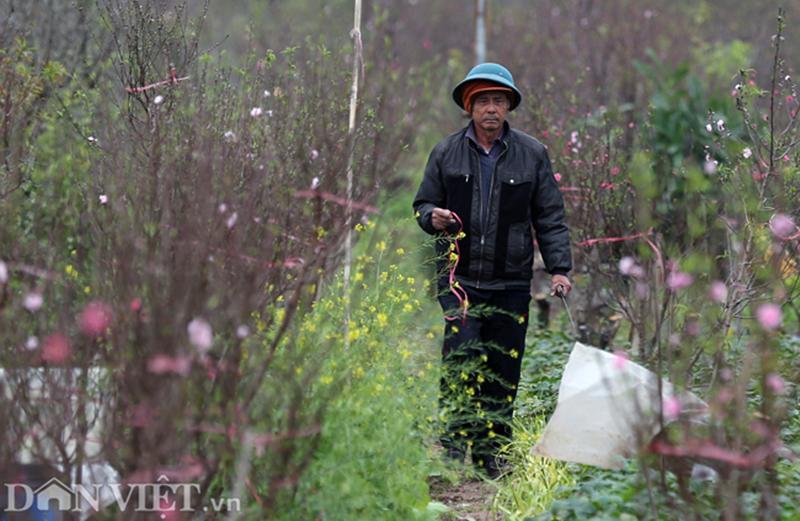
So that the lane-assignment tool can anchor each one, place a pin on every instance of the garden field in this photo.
(216, 302)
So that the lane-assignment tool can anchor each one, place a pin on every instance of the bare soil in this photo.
(468, 500)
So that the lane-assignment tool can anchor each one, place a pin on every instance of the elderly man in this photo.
(485, 190)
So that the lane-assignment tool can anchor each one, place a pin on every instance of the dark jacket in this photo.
(497, 252)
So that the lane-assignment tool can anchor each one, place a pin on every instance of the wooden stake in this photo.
(358, 59)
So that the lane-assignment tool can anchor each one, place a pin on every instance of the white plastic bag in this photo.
(606, 407)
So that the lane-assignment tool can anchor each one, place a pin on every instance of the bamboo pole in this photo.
(480, 31)
(358, 59)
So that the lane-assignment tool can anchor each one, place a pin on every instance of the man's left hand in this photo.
(560, 282)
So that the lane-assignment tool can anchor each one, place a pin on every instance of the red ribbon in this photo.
(455, 287)
(327, 196)
(172, 80)
(592, 242)
(706, 449)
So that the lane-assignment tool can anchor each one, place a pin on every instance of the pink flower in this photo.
(678, 280)
(3, 272)
(614, 171)
(256, 112)
(242, 331)
(718, 291)
(606, 186)
(769, 316)
(136, 304)
(55, 349)
(558, 177)
(95, 318)
(200, 334)
(776, 383)
(230, 222)
(620, 359)
(626, 265)
(672, 407)
(31, 343)
(782, 226)
(33, 301)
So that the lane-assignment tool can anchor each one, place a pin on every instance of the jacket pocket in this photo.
(519, 253)
(513, 227)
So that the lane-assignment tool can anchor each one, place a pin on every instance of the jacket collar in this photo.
(506, 135)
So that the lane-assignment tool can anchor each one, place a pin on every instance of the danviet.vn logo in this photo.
(160, 497)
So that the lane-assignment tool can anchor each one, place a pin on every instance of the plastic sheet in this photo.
(607, 406)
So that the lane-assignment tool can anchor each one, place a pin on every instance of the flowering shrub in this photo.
(202, 212)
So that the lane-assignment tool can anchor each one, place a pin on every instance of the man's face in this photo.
(489, 110)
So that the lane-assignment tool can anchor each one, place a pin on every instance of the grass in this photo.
(536, 482)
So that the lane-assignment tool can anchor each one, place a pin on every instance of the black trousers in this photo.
(481, 362)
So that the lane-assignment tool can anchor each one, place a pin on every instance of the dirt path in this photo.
(468, 501)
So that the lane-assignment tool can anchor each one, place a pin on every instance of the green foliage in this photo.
(372, 461)
(720, 62)
(536, 482)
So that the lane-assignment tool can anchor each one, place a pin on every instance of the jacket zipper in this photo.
(480, 213)
(488, 208)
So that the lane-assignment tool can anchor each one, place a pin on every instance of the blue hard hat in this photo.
(492, 72)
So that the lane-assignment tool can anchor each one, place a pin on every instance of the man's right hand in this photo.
(441, 219)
